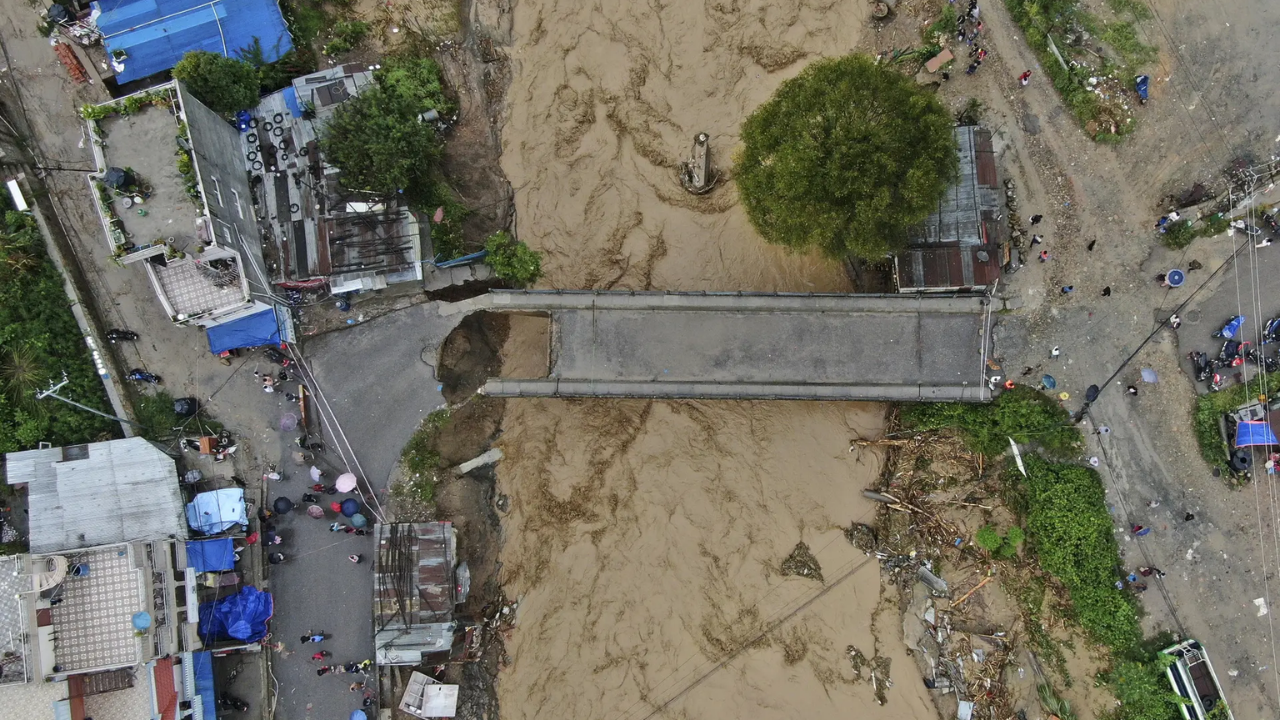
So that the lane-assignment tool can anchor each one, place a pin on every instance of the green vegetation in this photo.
(377, 139)
(944, 26)
(306, 20)
(39, 341)
(512, 260)
(347, 34)
(1070, 531)
(1028, 416)
(446, 235)
(1058, 24)
(1211, 407)
(275, 75)
(1053, 704)
(154, 412)
(1005, 547)
(1181, 233)
(224, 84)
(845, 157)
(421, 460)
(1138, 679)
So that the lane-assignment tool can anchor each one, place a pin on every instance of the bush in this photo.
(420, 457)
(1178, 234)
(846, 158)
(39, 341)
(346, 35)
(512, 260)
(1070, 531)
(224, 84)
(1143, 689)
(446, 235)
(1026, 415)
(989, 539)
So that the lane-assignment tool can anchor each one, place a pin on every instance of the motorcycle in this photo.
(1271, 333)
(1201, 364)
(1232, 327)
(1216, 384)
(117, 335)
(1270, 221)
(277, 357)
(140, 375)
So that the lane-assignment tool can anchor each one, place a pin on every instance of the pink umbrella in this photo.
(315, 511)
(346, 482)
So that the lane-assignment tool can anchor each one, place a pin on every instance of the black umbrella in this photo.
(1092, 393)
(282, 505)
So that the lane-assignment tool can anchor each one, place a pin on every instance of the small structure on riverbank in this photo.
(414, 591)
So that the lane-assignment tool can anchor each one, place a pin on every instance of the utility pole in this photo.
(52, 392)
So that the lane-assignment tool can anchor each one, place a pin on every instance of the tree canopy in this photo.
(845, 157)
(377, 138)
(224, 84)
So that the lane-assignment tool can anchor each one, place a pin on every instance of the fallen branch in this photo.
(975, 589)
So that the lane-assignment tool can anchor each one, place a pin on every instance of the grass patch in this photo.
(346, 35)
(1181, 234)
(421, 459)
(1135, 9)
(306, 20)
(154, 412)
(446, 235)
(1100, 109)
(1026, 415)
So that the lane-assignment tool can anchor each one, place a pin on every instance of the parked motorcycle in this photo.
(1271, 332)
(117, 335)
(1216, 384)
(277, 357)
(1231, 354)
(1231, 327)
(1201, 364)
(1270, 221)
(140, 375)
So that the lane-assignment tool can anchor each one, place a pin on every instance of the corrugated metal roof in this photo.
(124, 490)
(157, 33)
(959, 215)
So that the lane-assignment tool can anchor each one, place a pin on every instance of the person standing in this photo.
(355, 559)
(1024, 78)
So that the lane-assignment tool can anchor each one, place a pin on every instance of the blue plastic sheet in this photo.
(260, 328)
(211, 555)
(241, 617)
(214, 512)
(202, 663)
(1254, 432)
(291, 101)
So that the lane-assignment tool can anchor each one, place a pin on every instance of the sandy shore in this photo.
(645, 540)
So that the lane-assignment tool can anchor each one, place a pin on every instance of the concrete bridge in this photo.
(755, 346)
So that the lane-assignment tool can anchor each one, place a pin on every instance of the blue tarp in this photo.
(1254, 432)
(249, 331)
(155, 34)
(291, 101)
(241, 617)
(202, 664)
(217, 511)
(211, 555)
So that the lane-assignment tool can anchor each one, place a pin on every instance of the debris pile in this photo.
(802, 562)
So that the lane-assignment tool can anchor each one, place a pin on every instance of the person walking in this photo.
(1037, 239)
(355, 559)
(1055, 352)
(1132, 390)
(1024, 78)
(1045, 256)
(1035, 219)
(336, 527)
(1106, 291)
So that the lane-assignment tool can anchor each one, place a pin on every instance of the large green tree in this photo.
(845, 157)
(379, 140)
(224, 84)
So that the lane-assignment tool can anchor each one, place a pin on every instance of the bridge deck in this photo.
(870, 347)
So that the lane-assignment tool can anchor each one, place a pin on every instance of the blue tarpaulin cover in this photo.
(1254, 432)
(217, 511)
(241, 617)
(291, 101)
(202, 663)
(249, 331)
(211, 555)
(155, 34)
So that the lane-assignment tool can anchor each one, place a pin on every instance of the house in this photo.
(414, 591)
(83, 496)
(319, 232)
(145, 37)
(958, 247)
(185, 215)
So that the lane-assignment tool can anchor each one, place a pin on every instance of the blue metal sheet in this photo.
(156, 35)
(291, 101)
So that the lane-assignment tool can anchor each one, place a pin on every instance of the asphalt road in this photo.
(373, 379)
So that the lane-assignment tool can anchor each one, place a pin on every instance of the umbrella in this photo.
(1175, 278)
(358, 521)
(315, 511)
(346, 482)
(335, 506)
(1048, 382)
(350, 507)
(358, 715)
(1092, 393)
(282, 505)
(316, 474)
(1149, 375)
(288, 421)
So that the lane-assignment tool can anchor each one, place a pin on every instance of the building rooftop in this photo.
(98, 494)
(194, 286)
(413, 594)
(320, 229)
(155, 35)
(14, 655)
(92, 625)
